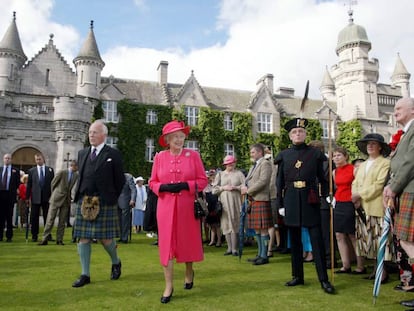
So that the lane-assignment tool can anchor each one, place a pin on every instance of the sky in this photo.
(226, 43)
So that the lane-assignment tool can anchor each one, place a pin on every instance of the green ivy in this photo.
(349, 133)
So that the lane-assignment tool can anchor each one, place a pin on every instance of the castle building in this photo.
(47, 107)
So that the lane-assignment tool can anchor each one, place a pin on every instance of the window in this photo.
(47, 77)
(149, 149)
(11, 72)
(191, 144)
(228, 149)
(228, 122)
(325, 129)
(264, 122)
(81, 77)
(191, 114)
(152, 117)
(96, 78)
(110, 111)
(111, 141)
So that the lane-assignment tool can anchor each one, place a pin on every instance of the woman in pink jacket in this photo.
(177, 174)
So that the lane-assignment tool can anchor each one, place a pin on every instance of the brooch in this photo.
(298, 164)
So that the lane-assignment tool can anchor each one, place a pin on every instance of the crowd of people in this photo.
(289, 201)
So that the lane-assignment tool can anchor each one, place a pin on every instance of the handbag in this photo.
(90, 207)
(219, 208)
(198, 209)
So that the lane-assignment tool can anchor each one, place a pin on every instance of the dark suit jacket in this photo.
(109, 173)
(14, 181)
(33, 185)
(62, 188)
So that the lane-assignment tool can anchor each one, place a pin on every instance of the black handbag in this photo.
(219, 208)
(198, 209)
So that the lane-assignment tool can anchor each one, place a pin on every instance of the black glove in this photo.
(174, 188)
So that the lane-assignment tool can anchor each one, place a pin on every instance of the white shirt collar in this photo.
(98, 148)
(407, 126)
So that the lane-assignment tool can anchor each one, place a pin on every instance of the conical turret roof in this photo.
(11, 41)
(89, 49)
(399, 68)
(327, 79)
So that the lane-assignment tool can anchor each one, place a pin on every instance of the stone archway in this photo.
(23, 158)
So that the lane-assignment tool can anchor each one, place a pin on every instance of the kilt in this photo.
(105, 226)
(260, 217)
(403, 225)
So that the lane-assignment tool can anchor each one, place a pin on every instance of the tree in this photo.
(349, 133)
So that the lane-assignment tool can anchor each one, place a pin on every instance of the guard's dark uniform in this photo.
(298, 192)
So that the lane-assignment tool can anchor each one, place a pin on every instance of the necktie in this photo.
(93, 154)
(4, 179)
(42, 177)
(69, 176)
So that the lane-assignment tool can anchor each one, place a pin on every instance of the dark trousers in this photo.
(6, 214)
(125, 222)
(318, 251)
(35, 217)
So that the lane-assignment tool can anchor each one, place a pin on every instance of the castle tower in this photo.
(327, 87)
(355, 75)
(89, 65)
(12, 58)
(401, 77)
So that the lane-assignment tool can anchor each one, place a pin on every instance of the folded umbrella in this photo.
(243, 213)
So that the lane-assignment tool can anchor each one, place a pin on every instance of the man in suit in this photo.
(10, 180)
(62, 185)
(400, 189)
(125, 202)
(39, 190)
(258, 190)
(300, 167)
(100, 175)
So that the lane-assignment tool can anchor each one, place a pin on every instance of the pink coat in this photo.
(179, 233)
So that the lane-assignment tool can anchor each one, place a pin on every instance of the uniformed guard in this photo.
(300, 167)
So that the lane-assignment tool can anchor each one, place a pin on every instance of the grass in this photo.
(40, 277)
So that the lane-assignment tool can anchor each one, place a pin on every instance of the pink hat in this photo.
(171, 127)
(229, 159)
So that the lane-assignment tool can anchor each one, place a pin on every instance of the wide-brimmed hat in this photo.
(171, 127)
(229, 159)
(139, 178)
(294, 123)
(362, 143)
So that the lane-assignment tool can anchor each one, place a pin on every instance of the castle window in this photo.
(47, 77)
(191, 114)
(264, 122)
(96, 78)
(191, 144)
(325, 129)
(228, 122)
(149, 149)
(111, 141)
(228, 149)
(11, 71)
(81, 77)
(152, 117)
(110, 111)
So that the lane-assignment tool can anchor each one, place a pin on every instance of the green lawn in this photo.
(39, 278)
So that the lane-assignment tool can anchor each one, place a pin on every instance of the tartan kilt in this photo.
(105, 226)
(404, 220)
(260, 217)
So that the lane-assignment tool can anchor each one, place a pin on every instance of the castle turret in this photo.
(327, 87)
(12, 58)
(89, 65)
(401, 77)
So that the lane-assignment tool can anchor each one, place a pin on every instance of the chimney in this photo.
(286, 91)
(162, 72)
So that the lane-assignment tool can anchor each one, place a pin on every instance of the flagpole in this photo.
(331, 237)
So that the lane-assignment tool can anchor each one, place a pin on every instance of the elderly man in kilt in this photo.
(258, 190)
(100, 176)
(300, 171)
(399, 193)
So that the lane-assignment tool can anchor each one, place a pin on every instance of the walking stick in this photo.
(331, 237)
(27, 220)
(130, 224)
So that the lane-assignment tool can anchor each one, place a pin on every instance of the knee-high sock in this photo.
(265, 242)
(234, 240)
(259, 244)
(228, 241)
(111, 250)
(84, 250)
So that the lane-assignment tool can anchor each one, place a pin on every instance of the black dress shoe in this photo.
(294, 282)
(42, 242)
(189, 285)
(344, 270)
(167, 299)
(227, 253)
(83, 280)
(116, 271)
(407, 303)
(261, 261)
(60, 243)
(363, 271)
(49, 238)
(327, 287)
(34, 238)
(9, 240)
(253, 259)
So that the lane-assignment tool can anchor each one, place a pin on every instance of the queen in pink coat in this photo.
(176, 174)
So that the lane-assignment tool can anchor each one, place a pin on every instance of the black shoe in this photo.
(9, 240)
(74, 240)
(285, 251)
(363, 271)
(34, 238)
(191, 284)
(294, 282)
(68, 225)
(60, 243)
(42, 242)
(253, 259)
(116, 271)
(261, 261)
(344, 270)
(49, 238)
(167, 299)
(407, 303)
(83, 280)
(227, 253)
(327, 287)
(235, 254)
